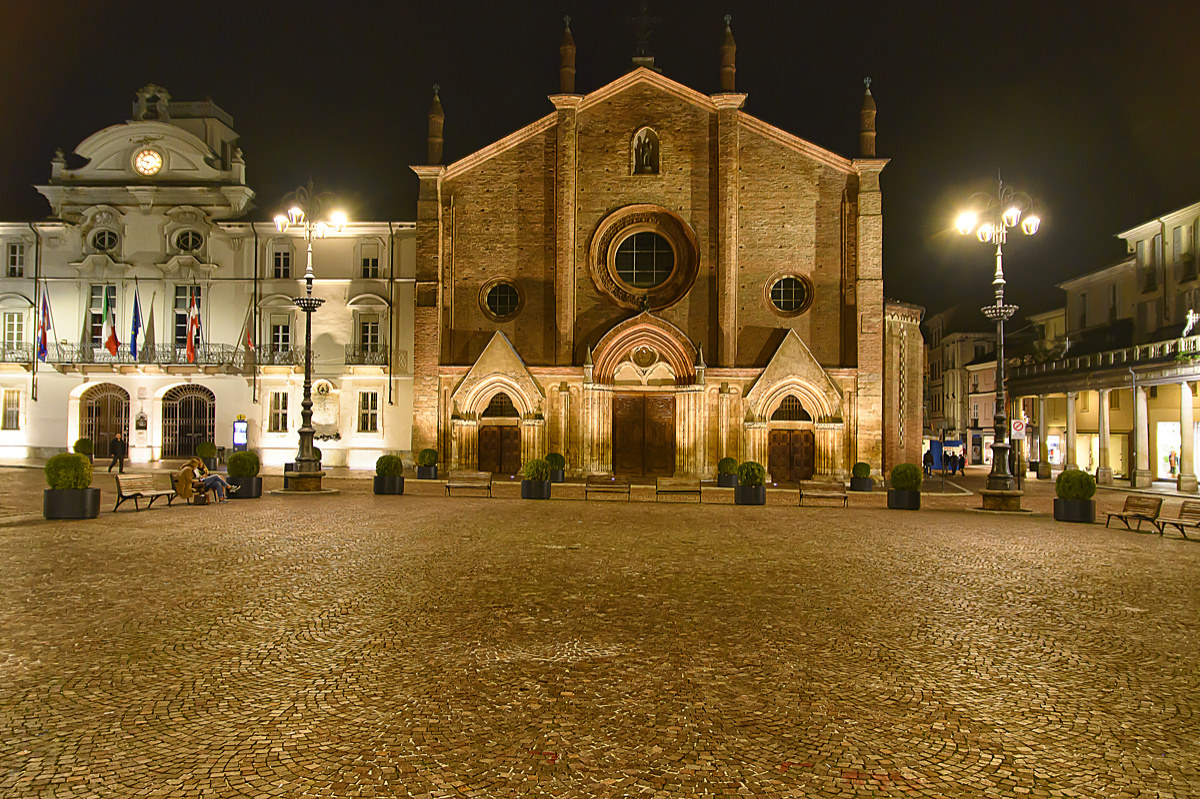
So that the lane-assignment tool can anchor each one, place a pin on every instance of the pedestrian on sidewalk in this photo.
(118, 448)
(927, 462)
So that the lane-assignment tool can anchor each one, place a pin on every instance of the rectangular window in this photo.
(183, 300)
(1177, 243)
(1114, 400)
(1112, 303)
(281, 262)
(14, 329)
(368, 333)
(16, 260)
(277, 418)
(1082, 309)
(281, 333)
(12, 409)
(368, 412)
(1153, 392)
(370, 260)
(1084, 401)
(1141, 254)
(96, 311)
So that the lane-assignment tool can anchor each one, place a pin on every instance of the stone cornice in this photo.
(565, 101)
(727, 100)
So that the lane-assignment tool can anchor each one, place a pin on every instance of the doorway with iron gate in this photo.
(103, 412)
(500, 437)
(643, 434)
(189, 413)
(791, 444)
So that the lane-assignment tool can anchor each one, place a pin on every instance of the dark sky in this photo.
(1092, 108)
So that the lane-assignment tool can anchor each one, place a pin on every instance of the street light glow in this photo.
(295, 215)
(985, 232)
(966, 222)
(1012, 216)
(1030, 225)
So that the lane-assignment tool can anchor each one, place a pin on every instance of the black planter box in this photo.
(535, 489)
(389, 484)
(248, 487)
(1082, 511)
(426, 472)
(558, 475)
(727, 480)
(210, 464)
(750, 495)
(862, 484)
(900, 499)
(1033, 467)
(71, 503)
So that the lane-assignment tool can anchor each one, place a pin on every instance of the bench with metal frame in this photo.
(605, 484)
(1139, 508)
(469, 481)
(1188, 516)
(141, 486)
(834, 496)
(677, 487)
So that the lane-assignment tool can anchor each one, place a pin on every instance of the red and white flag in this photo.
(193, 330)
(110, 327)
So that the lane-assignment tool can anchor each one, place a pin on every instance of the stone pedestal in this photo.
(1002, 500)
(1142, 478)
(1186, 484)
(1043, 469)
(304, 481)
(1104, 476)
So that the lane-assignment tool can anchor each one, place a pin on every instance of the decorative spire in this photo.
(437, 120)
(728, 53)
(642, 57)
(700, 364)
(566, 53)
(866, 130)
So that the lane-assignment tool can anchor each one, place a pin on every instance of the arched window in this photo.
(790, 410)
(645, 152)
(500, 407)
(103, 412)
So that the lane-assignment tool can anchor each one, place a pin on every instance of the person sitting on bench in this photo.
(215, 483)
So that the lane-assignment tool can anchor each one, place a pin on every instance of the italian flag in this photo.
(110, 327)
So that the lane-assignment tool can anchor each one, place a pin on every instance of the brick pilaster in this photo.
(426, 315)
(868, 294)
(566, 175)
(728, 155)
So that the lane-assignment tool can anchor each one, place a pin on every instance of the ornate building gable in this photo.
(498, 368)
(794, 370)
(645, 340)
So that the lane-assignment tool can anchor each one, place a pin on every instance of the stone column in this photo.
(1072, 461)
(1186, 481)
(1043, 440)
(1141, 436)
(1104, 474)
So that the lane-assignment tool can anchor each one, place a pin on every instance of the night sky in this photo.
(1092, 108)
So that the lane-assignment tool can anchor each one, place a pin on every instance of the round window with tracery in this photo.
(791, 295)
(645, 260)
(501, 300)
(104, 241)
(189, 241)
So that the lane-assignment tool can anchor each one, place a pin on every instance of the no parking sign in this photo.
(1018, 429)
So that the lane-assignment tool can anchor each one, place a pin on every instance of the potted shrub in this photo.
(860, 477)
(427, 464)
(905, 493)
(1074, 490)
(389, 474)
(536, 484)
(750, 489)
(70, 495)
(558, 466)
(207, 452)
(243, 473)
(727, 469)
(84, 447)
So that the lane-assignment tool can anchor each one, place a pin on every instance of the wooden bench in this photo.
(605, 484)
(834, 496)
(677, 487)
(1189, 516)
(1140, 508)
(141, 486)
(470, 481)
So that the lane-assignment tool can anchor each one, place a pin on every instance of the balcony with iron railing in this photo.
(162, 354)
(1186, 349)
(367, 355)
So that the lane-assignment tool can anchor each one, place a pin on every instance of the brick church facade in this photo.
(648, 279)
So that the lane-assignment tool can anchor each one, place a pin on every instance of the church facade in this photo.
(648, 279)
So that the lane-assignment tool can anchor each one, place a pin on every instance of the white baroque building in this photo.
(154, 216)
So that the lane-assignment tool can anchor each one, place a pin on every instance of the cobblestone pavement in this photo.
(355, 645)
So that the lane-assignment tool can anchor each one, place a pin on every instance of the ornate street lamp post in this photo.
(303, 206)
(990, 220)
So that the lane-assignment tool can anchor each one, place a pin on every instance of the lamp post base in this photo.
(302, 481)
(1006, 501)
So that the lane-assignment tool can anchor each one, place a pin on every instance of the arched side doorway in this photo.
(500, 436)
(791, 443)
(189, 416)
(103, 412)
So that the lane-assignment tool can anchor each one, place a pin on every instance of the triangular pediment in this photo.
(498, 368)
(794, 370)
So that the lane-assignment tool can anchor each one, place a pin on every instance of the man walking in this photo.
(118, 449)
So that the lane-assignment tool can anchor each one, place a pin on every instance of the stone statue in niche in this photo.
(645, 152)
(326, 410)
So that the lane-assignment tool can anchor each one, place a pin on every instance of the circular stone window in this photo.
(501, 300)
(644, 257)
(791, 295)
(104, 241)
(189, 241)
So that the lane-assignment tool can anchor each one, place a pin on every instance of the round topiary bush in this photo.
(244, 464)
(427, 457)
(68, 470)
(84, 446)
(906, 477)
(537, 470)
(317, 453)
(557, 461)
(727, 466)
(1075, 484)
(860, 470)
(751, 474)
(389, 466)
(206, 449)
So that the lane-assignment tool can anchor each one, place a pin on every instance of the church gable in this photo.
(498, 369)
(793, 370)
